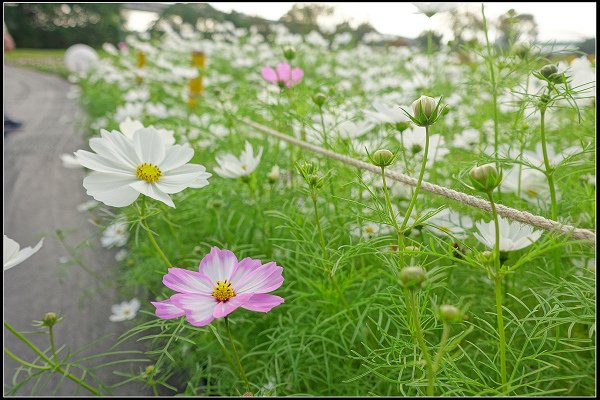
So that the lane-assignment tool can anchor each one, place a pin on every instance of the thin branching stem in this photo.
(151, 235)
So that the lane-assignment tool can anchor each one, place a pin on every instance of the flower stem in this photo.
(51, 336)
(313, 195)
(498, 286)
(393, 219)
(151, 235)
(413, 200)
(414, 305)
(25, 363)
(237, 357)
(549, 171)
(55, 366)
(443, 343)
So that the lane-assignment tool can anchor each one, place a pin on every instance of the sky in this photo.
(572, 21)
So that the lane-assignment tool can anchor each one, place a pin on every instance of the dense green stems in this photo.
(421, 341)
(151, 235)
(549, 171)
(399, 232)
(498, 286)
(252, 185)
(237, 357)
(326, 145)
(54, 365)
(419, 181)
(313, 196)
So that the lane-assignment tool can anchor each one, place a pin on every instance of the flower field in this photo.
(255, 264)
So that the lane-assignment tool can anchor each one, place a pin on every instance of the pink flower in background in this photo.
(221, 286)
(282, 75)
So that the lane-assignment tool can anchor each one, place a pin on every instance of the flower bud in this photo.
(319, 99)
(412, 277)
(289, 52)
(50, 319)
(315, 181)
(450, 314)
(274, 174)
(425, 111)
(548, 70)
(485, 178)
(382, 158)
(149, 370)
(411, 249)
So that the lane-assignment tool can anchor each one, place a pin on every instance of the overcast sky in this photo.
(556, 21)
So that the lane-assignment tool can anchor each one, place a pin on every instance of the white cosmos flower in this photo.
(387, 114)
(123, 168)
(414, 140)
(14, 255)
(537, 157)
(369, 230)
(432, 8)
(513, 235)
(86, 206)
(130, 126)
(467, 139)
(448, 223)
(120, 255)
(533, 186)
(124, 311)
(232, 167)
(115, 234)
(351, 130)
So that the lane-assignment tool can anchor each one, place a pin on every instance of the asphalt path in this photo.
(41, 196)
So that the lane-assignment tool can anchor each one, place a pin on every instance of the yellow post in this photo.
(140, 63)
(196, 85)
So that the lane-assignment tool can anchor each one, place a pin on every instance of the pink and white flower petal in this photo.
(269, 74)
(266, 278)
(151, 190)
(224, 308)
(167, 310)
(218, 265)
(186, 281)
(297, 74)
(149, 146)
(198, 308)
(284, 71)
(261, 302)
(243, 272)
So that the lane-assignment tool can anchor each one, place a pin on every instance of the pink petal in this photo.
(262, 302)
(269, 74)
(224, 308)
(185, 281)
(167, 310)
(266, 278)
(198, 308)
(284, 72)
(244, 270)
(297, 74)
(218, 265)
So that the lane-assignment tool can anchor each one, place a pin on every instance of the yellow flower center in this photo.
(532, 193)
(148, 172)
(369, 229)
(223, 291)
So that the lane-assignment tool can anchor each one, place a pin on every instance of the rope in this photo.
(511, 213)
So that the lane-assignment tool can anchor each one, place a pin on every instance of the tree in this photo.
(303, 18)
(515, 27)
(47, 25)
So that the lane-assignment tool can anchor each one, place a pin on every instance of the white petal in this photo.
(151, 190)
(96, 162)
(176, 156)
(149, 145)
(22, 255)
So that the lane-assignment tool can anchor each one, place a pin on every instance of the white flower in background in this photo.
(533, 186)
(86, 206)
(157, 110)
(233, 167)
(351, 130)
(115, 235)
(69, 161)
(80, 58)
(14, 255)
(132, 110)
(513, 235)
(537, 158)
(387, 114)
(369, 229)
(414, 139)
(430, 9)
(120, 255)
(125, 311)
(448, 223)
(137, 95)
(110, 49)
(124, 168)
(467, 139)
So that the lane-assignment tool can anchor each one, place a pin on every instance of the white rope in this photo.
(517, 215)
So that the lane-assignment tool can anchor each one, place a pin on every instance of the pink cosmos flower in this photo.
(222, 285)
(282, 75)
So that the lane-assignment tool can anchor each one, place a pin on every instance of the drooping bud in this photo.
(450, 314)
(289, 52)
(412, 277)
(485, 178)
(319, 99)
(382, 158)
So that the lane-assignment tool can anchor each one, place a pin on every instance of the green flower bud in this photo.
(548, 70)
(315, 181)
(412, 277)
(426, 110)
(319, 99)
(486, 257)
(402, 126)
(49, 319)
(450, 314)
(289, 52)
(382, 158)
(485, 178)
(149, 370)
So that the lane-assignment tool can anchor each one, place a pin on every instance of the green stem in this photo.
(443, 343)
(313, 195)
(154, 389)
(413, 200)
(51, 336)
(55, 366)
(393, 219)
(25, 363)
(151, 235)
(549, 171)
(237, 357)
(421, 340)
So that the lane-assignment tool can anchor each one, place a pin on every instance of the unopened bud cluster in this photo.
(310, 174)
(550, 73)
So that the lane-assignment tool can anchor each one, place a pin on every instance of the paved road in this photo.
(40, 196)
